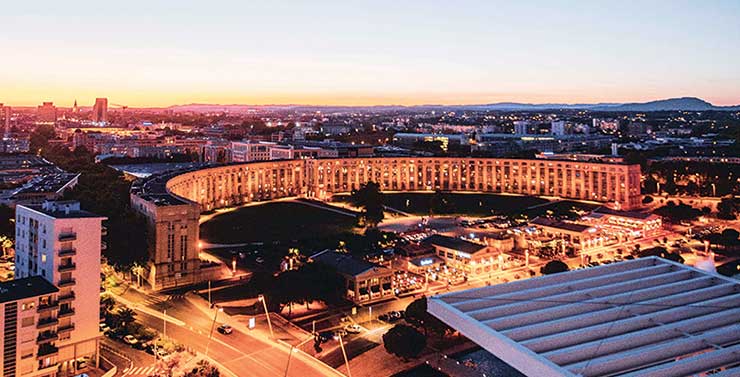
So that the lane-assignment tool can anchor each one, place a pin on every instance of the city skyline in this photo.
(333, 53)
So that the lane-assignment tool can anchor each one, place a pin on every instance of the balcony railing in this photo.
(46, 322)
(67, 236)
(47, 307)
(65, 313)
(67, 282)
(103, 231)
(66, 328)
(66, 298)
(67, 267)
(46, 337)
(68, 252)
(46, 350)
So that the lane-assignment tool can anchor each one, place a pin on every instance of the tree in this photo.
(203, 369)
(371, 200)
(105, 191)
(554, 267)
(126, 316)
(677, 213)
(417, 315)
(404, 341)
(40, 137)
(107, 302)
(728, 209)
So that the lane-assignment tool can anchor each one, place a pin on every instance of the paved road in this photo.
(240, 353)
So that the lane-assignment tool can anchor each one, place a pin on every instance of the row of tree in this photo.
(104, 191)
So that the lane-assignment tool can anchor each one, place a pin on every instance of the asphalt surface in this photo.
(240, 353)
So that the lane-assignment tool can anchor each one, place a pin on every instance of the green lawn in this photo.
(279, 222)
(460, 204)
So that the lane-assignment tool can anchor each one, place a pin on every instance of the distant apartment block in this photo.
(46, 113)
(100, 111)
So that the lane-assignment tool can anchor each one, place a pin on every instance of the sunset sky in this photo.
(159, 53)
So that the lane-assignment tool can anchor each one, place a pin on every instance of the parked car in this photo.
(225, 329)
(324, 336)
(104, 328)
(130, 339)
(385, 317)
(353, 328)
(339, 332)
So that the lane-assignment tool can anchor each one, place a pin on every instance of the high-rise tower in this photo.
(100, 111)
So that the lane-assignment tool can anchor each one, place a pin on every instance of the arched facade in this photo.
(237, 184)
(172, 202)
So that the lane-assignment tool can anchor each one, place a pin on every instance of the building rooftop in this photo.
(61, 209)
(630, 214)
(572, 227)
(454, 243)
(643, 317)
(49, 183)
(344, 263)
(19, 289)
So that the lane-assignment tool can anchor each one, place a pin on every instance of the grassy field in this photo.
(566, 208)
(279, 222)
(460, 204)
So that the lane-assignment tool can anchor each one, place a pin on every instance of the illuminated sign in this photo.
(426, 262)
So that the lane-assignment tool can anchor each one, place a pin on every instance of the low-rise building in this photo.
(365, 282)
(470, 258)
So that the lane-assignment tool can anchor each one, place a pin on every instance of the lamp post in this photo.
(213, 325)
(344, 353)
(267, 314)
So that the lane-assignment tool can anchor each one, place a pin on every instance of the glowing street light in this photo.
(262, 299)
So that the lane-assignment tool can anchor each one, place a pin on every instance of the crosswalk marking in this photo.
(155, 300)
(139, 371)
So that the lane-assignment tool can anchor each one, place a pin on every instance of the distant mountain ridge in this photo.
(670, 104)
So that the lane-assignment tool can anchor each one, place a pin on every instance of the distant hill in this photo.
(670, 104)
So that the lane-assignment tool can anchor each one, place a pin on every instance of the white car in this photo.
(130, 339)
(353, 328)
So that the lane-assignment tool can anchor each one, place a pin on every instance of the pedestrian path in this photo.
(139, 371)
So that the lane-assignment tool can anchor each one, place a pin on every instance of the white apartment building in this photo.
(62, 243)
(557, 127)
(247, 150)
(29, 331)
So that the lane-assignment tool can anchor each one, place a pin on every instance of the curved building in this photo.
(173, 201)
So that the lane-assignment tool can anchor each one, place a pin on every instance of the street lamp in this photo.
(267, 314)
(213, 325)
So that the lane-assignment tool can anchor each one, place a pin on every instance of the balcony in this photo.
(67, 282)
(44, 323)
(67, 267)
(46, 337)
(103, 245)
(66, 298)
(47, 307)
(103, 231)
(63, 313)
(67, 236)
(68, 252)
(46, 350)
(66, 328)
